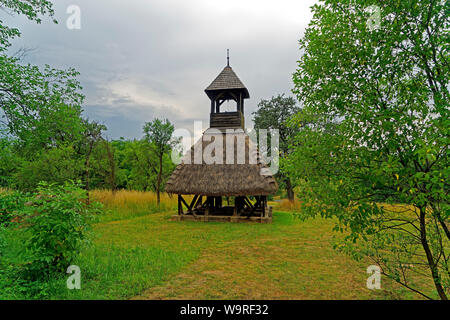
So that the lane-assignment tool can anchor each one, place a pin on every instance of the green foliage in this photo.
(104, 168)
(32, 9)
(123, 168)
(9, 161)
(51, 230)
(59, 223)
(2, 245)
(274, 114)
(159, 134)
(42, 107)
(375, 130)
(12, 204)
(159, 141)
(42, 115)
(142, 166)
(56, 165)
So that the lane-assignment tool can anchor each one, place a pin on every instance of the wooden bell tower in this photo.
(227, 86)
(213, 185)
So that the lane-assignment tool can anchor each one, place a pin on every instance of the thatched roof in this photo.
(227, 80)
(247, 175)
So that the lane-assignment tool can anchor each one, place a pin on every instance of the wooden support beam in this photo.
(193, 202)
(182, 200)
(180, 206)
(187, 206)
(218, 202)
(199, 202)
(249, 203)
(264, 204)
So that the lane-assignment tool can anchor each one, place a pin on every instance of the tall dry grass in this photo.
(127, 198)
(286, 205)
(125, 204)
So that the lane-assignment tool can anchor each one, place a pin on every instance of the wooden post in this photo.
(218, 202)
(238, 104)
(238, 205)
(263, 207)
(180, 207)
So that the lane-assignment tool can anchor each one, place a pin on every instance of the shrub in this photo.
(2, 245)
(11, 204)
(59, 223)
(56, 165)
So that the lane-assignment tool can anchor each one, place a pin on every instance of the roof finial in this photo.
(228, 57)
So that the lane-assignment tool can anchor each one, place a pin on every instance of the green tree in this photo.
(123, 168)
(92, 135)
(42, 110)
(9, 161)
(56, 165)
(32, 9)
(376, 152)
(106, 172)
(140, 165)
(158, 134)
(274, 114)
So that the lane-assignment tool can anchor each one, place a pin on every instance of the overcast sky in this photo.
(141, 59)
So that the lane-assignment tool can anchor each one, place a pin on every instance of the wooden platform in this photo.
(243, 210)
(212, 218)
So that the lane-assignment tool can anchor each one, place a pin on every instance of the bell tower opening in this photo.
(229, 106)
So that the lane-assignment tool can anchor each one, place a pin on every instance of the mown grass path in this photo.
(151, 257)
(288, 259)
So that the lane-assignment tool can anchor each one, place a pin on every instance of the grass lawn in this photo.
(137, 256)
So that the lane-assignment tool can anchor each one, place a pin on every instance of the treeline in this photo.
(91, 159)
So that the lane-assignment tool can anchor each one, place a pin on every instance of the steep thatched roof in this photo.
(237, 174)
(227, 80)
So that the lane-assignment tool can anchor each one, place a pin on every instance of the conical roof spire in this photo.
(227, 80)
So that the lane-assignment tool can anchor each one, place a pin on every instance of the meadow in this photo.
(136, 252)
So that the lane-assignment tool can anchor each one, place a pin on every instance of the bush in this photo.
(2, 246)
(59, 223)
(56, 165)
(11, 204)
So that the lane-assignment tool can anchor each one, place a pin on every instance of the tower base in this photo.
(214, 218)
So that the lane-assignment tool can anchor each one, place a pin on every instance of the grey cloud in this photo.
(144, 59)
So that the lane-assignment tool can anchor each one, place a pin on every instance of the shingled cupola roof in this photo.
(227, 80)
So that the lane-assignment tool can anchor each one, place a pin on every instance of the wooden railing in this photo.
(226, 120)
